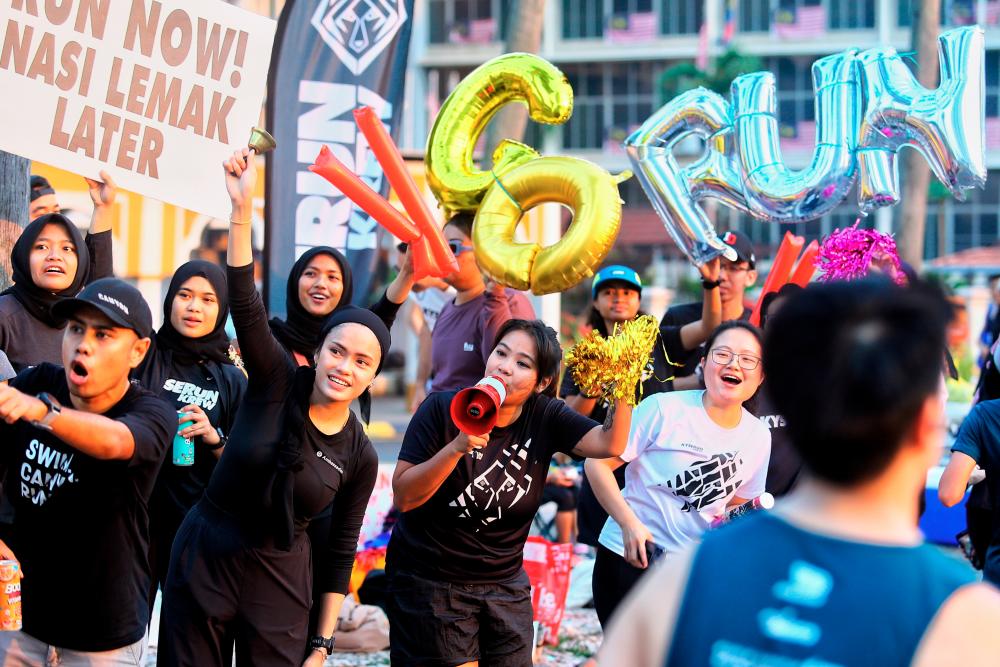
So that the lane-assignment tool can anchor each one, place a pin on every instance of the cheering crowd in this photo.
(835, 407)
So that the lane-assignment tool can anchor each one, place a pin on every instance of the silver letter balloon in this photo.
(868, 106)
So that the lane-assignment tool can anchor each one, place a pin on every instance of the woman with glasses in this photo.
(463, 337)
(691, 455)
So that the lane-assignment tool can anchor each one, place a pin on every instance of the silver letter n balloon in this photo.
(868, 106)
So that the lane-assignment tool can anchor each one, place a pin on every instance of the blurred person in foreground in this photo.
(838, 573)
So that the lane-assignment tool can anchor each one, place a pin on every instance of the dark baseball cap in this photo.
(122, 303)
(40, 186)
(615, 273)
(743, 246)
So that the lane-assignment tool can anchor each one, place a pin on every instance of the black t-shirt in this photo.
(785, 465)
(217, 389)
(473, 529)
(81, 529)
(339, 468)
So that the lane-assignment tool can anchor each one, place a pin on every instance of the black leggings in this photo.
(222, 589)
(612, 580)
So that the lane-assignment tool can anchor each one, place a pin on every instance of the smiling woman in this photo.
(295, 450)
(188, 366)
(691, 454)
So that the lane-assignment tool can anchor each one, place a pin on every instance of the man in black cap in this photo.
(41, 198)
(734, 279)
(81, 450)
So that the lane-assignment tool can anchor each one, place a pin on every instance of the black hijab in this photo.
(35, 299)
(279, 495)
(214, 345)
(300, 332)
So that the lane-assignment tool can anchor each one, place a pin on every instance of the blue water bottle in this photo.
(183, 447)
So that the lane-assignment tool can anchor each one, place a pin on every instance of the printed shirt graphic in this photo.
(684, 468)
(81, 524)
(474, 527)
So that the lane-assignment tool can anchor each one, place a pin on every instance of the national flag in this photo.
(800, 23)
(992, 12)
(992, 133)
(701, 58)
(729, 23)
(633, 27)
(476, 31)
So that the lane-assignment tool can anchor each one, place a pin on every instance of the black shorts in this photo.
(563, 496)
(437, 623)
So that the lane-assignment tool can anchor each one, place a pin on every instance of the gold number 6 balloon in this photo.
(514, 77)
(587, 189)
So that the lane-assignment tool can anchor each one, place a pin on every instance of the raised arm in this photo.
(601, 442)
(263, 356)
(98, 239)
(695, 333)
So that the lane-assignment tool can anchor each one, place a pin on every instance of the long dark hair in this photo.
(548, 357)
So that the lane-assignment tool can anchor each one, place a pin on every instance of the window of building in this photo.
(583, 19)
(904, 11)
(850, 14)
(609, 101)
(681, 17)
(468, 21)
(755, 15)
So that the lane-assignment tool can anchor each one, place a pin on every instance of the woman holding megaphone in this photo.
(457, 590)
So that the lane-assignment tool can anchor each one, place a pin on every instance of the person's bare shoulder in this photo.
(964, 631)
(640, 633)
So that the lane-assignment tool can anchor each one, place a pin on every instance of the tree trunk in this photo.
(13, 208)
(524, 34)
(926, 26)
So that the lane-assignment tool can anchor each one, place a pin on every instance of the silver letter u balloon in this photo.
(868, 106)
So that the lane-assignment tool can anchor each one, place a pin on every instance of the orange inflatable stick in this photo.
(369, 201)
(406, 189)
(781, 268)
(806, 267)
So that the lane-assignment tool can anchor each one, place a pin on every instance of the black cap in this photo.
(741, 243)
(40, 186)
(122, 303)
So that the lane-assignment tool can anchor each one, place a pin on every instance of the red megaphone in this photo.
(474, 410)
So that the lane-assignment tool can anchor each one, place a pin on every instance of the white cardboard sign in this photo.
(157, 92)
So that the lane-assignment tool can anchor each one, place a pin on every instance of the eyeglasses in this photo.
(457, 248)
(723, 356)
(733, 268)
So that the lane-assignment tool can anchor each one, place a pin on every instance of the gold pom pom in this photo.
(613, 366)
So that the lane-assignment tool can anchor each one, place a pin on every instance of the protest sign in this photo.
(157, 92)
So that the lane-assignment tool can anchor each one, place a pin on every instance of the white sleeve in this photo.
(646, 420)
(760, 445)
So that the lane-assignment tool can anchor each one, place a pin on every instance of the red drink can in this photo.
(10, 595)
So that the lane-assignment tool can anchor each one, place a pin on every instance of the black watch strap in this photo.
(319, 642)
(710, 284)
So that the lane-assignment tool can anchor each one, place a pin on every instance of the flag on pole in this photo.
(800, 23)
(701, 59)
(729, 23)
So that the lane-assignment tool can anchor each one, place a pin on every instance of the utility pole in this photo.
(926, 15)
(13, 208)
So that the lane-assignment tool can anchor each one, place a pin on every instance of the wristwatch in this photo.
(710, 284)
(223, 440)
(325, 643)
(53, 407)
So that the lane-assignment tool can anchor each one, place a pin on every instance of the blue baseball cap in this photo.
(616, 272)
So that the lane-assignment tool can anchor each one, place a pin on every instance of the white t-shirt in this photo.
(684, 468)
(431, 302)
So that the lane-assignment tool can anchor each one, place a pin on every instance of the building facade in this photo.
(614, 53)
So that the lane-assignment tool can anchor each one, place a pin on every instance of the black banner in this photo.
(330, 57)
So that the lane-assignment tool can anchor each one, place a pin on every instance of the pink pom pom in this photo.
(852, 253)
